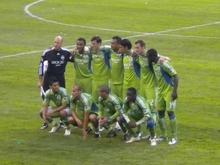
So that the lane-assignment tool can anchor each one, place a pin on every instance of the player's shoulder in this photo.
(86, 97)
(48, 92)
(47, 51)
(114, 98)
(141, 100)
(65, 49)
(63, 90)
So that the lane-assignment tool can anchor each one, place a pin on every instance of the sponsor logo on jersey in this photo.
(62, 57)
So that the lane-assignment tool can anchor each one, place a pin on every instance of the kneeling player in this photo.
(109, 109)
(60, 98)
(135, 112)
(84, 110)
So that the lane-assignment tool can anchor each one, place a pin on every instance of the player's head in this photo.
(125, 45)
(81, 43)
(140, 47)
(131, 94)
(54, 84)
(152, 55)
(96, 42)
(104, 91)
(58, 42)
(115, 43)
(76, 91)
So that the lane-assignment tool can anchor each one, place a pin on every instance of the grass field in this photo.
(194, 52)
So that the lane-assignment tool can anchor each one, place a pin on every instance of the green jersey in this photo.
(110, 107)
(147, 75)
(58, 98)
(82, 63)
(117, 68)
(164, 74)
(130, 77)
(85, 104)
(101, 65)
(139, 110)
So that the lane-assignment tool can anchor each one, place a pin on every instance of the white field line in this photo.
(134, 36)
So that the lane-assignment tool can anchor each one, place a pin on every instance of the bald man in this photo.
(53, 64)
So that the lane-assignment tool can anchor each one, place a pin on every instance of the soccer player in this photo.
(109, 109)
(136, 111)
(82, 63)
(52, 64)
(60, 98)
(167, 81)
(131, 69)
(100, 65)
(117, 68)
(84, 110)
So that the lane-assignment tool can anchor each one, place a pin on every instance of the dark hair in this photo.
(117, 38)
(82, 39)
(105, 88)
(78, 87)
(126, 43)
(52, 80)
(132, 90)
(152, 53)
(97, 39)
(141, 42)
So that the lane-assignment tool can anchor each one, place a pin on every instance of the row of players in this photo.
(122, 67)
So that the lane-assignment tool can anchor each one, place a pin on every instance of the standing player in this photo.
(101, 65)
(82, 63)
(52, 64)
(131, 69)
(84, 110)
(109, 109)
(137, 111)
(117, 68)
(59, 96)
(167, 81)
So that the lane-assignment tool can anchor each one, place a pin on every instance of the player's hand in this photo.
(174, 95)
(85, 135)
(40, 84)
(134, 54)
(103, 121)
(133, 125)
(50, 47)
(79, 123)
(161, 60)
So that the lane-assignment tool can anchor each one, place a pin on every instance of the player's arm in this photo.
(46, 104)
(175, 81)
(87, 110)
(101, 109)
(163, 58)
(123, 111)
(117, 109)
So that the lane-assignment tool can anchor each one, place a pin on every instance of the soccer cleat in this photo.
(134, 139)
(126, 137)
(153, 142)
(101, 129)
(161, 138)
(146, 137)
(117, 127)
(111, 135)
(54, 129)
(89, 130)
(172, 141)
(97, 135)
(67, 132)
(62, 125)
(139, 134)
(44, 126)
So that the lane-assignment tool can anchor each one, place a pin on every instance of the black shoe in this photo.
(44, 126)
(97, 135)
(111, 135)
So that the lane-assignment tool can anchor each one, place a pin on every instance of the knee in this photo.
(41, 112)
(161, 114)
(170, 113)
(150, 124)
(71, 120)
(121, 120)
(93, 118)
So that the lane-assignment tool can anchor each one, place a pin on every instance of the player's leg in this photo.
(121, 122)
(93, 118)
(111, 131)
(95, 86)
(87, 86)
(170, 107)
(142, 90)
(45, 125)
(64, 115)
(151, 128)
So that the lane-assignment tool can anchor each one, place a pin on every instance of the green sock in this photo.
(173, 125)
(162, 123)
(152, 132)
(66, 124)
(139, 128)
(130, 130)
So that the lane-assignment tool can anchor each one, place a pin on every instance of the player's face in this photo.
(101, 93)
(122, 49)
(139, 50)
(75, 92)
(130, 96)
(95, 46)
(55, 87)
(57, 44)
(80, 46)
(114, 45)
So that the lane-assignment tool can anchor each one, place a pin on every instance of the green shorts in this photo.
(117, 89)
(149, 94)
(95, 86)
(165, 102)
(85, 83)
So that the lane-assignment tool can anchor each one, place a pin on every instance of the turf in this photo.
(194, 53)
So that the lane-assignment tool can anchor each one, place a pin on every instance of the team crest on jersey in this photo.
(62, 57)
(130, 60)
(58, 97)
(85, 57)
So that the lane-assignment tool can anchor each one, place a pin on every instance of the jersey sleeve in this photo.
(88, 105)
(41, 64)
(168, 68)
(72, 103)
(117, 109)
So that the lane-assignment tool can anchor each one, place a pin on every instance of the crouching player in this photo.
(83, 110)
(60, 98)
(109, 109)
(135, 112)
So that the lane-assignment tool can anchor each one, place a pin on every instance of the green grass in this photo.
(195, 59)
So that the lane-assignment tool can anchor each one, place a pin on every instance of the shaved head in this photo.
(78, 87)
(59, 38)
(104, 88)
(58, 42)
